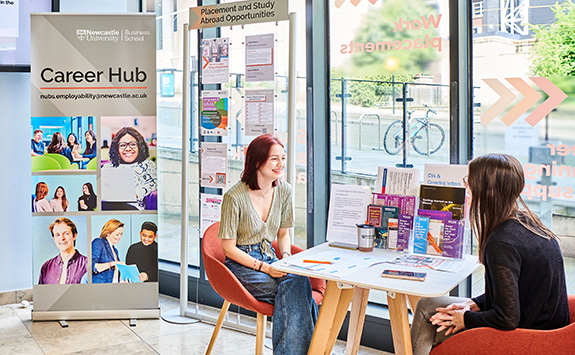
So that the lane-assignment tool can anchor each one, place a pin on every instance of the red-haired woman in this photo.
(524, 274)
(40, 203)
(255, 211)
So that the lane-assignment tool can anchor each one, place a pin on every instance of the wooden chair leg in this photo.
(260, 333)
(219, 323)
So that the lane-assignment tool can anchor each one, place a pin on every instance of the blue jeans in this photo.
(424, 335)
(295, 311)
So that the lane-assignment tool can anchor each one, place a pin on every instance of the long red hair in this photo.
(257, 154)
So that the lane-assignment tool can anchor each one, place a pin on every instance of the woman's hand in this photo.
(83, 205)
(452, 320)
(268, 269)
(143, 277)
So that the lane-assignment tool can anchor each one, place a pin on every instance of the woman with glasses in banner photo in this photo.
(129, 150)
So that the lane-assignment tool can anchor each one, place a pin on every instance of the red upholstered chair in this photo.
(512, 342)
(232, 291)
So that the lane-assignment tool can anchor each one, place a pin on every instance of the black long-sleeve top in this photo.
(524, 282)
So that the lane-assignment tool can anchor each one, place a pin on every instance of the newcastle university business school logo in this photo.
(81, 34)
(112, 35)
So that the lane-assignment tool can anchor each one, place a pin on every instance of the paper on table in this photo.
(129, 272)
(430, 263)
(347, 207)
(340, 263)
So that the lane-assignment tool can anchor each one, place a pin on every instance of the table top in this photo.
(363, 269)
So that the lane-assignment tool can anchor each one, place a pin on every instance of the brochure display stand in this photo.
(214, 118)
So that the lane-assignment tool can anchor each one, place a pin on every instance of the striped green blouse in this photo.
(240, 220)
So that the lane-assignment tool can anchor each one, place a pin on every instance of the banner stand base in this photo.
(95, 314)
(173, 316)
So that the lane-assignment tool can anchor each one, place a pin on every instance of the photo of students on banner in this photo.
(128, 175)
(144, 254)
(124, 249)
(63, 193)
(60, 259)
(63, 143)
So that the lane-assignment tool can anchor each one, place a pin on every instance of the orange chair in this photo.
(232, 291)
(489, 341)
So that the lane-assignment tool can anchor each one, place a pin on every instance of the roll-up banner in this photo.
(94, 188)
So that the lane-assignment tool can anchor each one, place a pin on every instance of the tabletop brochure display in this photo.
(424, 222)
(94, 192)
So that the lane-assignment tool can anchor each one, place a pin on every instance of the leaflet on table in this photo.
(341, 262)
(215, 61)
(210, 210)
(444, 174)
(429, 262)
(213, 164)
(214, 117)
(259, 114)
(346, 209)
(442, 198)
(260, 58)
(397, 181)
(442, 237)
(406, 204)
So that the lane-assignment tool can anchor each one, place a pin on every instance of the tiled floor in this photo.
(19, 335)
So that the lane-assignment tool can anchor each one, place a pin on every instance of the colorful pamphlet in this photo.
(404, 226)
(442, 198)
(374, 213)
(406, 204)
(453, 239)
(387, 212)
(420, 229)
(399, 181)
(392, 233)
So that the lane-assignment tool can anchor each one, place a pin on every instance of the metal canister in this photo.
(365, 237)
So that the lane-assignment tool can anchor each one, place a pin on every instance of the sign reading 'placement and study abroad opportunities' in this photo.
(238, 13)
(74, 75)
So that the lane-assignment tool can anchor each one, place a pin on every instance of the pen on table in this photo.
(317, 261)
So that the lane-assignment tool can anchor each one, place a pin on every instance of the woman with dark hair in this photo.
(88, 200)
(105, 256)
(58, 146)
(129, 150)
(73, 144)
(59, 203)
(40, 204)
(524, 273)
(255, 211)
(91, 147)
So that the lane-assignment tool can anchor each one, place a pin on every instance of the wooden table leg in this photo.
(331, 315)
(412, 302)
(356, 319)
(399, 323)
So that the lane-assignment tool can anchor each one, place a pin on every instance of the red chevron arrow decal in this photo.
(556, 96)
(530, 97)
(507, 98)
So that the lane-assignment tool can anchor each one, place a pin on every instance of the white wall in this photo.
(15, 180)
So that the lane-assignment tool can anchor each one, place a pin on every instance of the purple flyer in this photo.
(453, 239)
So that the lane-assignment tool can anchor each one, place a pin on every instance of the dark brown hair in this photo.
(496, 182)
(64, 199)
(257, 154)
(57, 145)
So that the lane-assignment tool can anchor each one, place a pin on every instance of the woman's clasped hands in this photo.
(451, 317)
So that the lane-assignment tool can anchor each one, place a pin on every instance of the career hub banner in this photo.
(94, 185)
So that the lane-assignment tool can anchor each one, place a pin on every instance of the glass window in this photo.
(389, 64)
(523, 75)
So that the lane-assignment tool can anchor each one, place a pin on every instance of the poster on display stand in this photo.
(214, 162)
(210, 210)
(259, 114)
(260, 58)
(214, 116)
(215, 61)
(94, 177)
